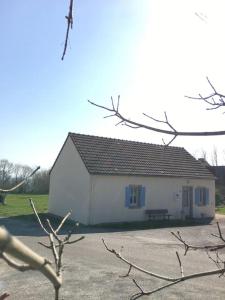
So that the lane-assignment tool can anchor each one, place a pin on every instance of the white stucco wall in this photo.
(69, 185)
(108, 197)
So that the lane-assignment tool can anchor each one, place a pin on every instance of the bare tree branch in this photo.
(172, 280)
(219, 262)
(14, 264)
(148, 293)
(53, 231)
(56, 244)
(62, 222)
(188, 246)
(53, 247)
(44, 245)
(37, 216)
(114, 112)
(69, 19)
(210, 99)
(12, 246)
(128, 272)
(68, 236)
(73, 242)
(180, 264)
(4, 296)
(220, 236)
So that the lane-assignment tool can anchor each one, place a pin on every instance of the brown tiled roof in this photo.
(120, 157)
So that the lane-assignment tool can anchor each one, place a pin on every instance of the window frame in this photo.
(135, 196)
(202, 196)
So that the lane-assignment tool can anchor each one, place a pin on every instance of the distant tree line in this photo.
(11, 174)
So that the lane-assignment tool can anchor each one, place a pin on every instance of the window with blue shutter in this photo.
(207, 197)
(201, 196)
(142, 197)
(134, 196)
(197, 196)
(127, 196)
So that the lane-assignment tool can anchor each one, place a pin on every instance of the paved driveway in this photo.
(93, 273)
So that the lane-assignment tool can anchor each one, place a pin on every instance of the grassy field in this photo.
(220, 210)
(18, 204)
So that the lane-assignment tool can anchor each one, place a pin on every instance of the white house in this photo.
(110, 180)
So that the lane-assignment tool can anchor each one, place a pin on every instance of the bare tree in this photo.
(204, 154)
(40, 182)
(214, 158)
(56, 244)
(6, 169)
(25, 170)
(17, 172)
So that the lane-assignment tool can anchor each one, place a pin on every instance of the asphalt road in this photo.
(93, 273)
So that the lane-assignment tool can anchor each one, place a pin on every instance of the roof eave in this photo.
(151, 175)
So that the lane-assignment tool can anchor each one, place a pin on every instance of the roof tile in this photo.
(121, 157)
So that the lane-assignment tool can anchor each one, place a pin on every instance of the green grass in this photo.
(220, 210)
(18, 204)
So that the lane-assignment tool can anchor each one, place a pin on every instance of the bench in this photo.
(158, 214)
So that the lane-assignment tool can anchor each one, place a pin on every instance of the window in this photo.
(201, 196)
(135, 196)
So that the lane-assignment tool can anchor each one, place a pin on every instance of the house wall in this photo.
(69, 185)
(108, 197)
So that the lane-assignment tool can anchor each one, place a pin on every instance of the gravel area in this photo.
(93, 273)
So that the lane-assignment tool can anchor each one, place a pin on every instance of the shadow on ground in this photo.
(27, 225)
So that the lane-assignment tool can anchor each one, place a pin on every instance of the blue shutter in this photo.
(142, 197)
(207, 196)
(127, 196)
(197, 196)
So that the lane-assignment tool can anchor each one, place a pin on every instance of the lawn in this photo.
(220, 210)
(18, 204)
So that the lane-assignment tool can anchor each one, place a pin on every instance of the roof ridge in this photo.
(123, 140)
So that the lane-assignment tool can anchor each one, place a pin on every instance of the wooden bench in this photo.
(158, 214)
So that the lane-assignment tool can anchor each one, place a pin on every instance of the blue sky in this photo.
(152, 53)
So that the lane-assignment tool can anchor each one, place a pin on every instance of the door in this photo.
(187, 201)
